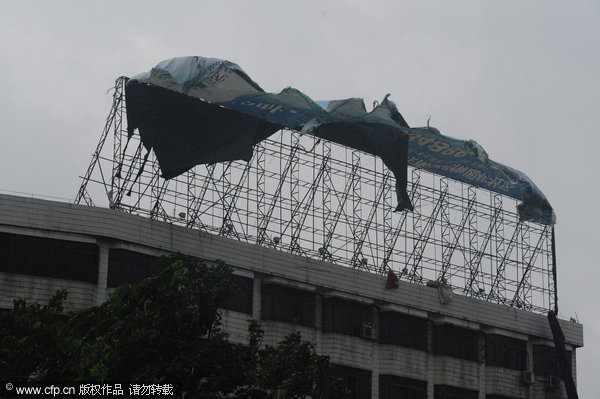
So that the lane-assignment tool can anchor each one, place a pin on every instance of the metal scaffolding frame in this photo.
(321, 200)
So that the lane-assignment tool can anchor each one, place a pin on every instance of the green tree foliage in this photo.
(166, 329)
(31, 341)
(293, 366)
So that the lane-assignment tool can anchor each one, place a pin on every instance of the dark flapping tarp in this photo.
(196, 110)
(184, 131)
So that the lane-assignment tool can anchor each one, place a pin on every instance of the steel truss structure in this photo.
(328, 202)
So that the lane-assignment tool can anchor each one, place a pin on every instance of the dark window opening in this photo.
(545, 361)
(394, 387)
(347, 317)
(242, 300)
(49, 257)
(404, 330)
(130, 267)
(449, 392)
(357, 381)
(505, 352)
(456, 342)
(290, 305)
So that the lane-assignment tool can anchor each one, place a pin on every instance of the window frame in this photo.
(288, 304)
(243, 299)
(396, 328)
(346, 317)
(49, 257)
(454, 341)
(505, 352)
(409, 388)
(126, 266)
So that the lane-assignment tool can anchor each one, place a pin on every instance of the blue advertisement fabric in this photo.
(467, 161)
(290, 108)
(254, 115)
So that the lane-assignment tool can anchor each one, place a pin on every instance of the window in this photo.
(48, 257)
(449, 392)
(129, 267)
(400, 329)
(288, 304)
(505, 352)
(455, 341)
(346, 317)
(394, 387)
(358, 381)
(242, 300)
(545, 361)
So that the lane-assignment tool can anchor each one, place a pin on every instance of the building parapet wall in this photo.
(17, 213)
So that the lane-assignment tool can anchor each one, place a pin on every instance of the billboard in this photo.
(196, 110)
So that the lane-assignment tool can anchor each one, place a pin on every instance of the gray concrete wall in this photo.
(110, 228)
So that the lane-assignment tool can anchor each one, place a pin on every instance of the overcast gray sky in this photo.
(519, 77)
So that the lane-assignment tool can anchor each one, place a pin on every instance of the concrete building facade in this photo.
(411, 342)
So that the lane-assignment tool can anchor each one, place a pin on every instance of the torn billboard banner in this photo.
(195, 110)
(184, 131)
(467, 161)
